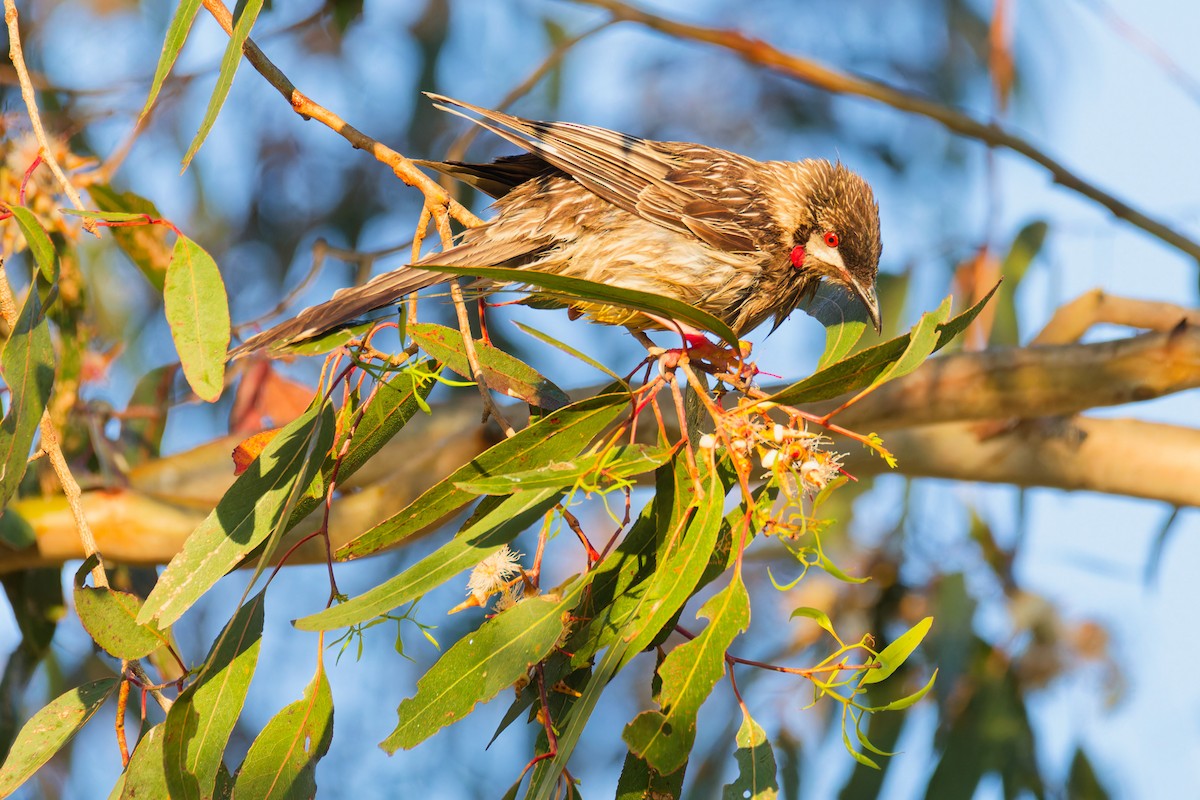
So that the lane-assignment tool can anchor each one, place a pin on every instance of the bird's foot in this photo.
(706, 355)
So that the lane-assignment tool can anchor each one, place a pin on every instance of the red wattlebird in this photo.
(741, 239)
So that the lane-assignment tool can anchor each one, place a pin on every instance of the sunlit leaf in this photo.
(145, 777)
(559, 435)
(862, 368)
(689, 673)
(283, 759)
(229, 64)
(177, 32)
(50, 729)
(571, 351)
(756, 778)
(203, 716)
(480, 665)
(621, 463)
(247, 514)
(110, 618)
(896, 653)
(501, 372)
(39, 242)
(908, 700)
(146, 245)
(570, 289)
(28, 365)
(818, 616)
(197, 310)
(476, 542)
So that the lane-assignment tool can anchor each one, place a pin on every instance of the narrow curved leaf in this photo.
(283, 760)
(571, 351)
(229, 64)
(200, 722)
(250, 510)
(577, 288)
(558, 435)
(177, 31)
(501, 372)
(479, 540)
(197, 310)
(50, 729)
(480, 665)
(862, 368)
(145, 245)
(28, 365)
(397, 400)
(908, 700)
(896, 653)
(619, 464)
(689, 673)
(40, 246)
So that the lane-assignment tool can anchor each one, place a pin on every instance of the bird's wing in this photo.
(685, 187)
(497, 178)
(350, 305)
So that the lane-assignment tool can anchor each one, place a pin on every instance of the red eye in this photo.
(831, 239)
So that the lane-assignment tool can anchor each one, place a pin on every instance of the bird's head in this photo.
(837, 233)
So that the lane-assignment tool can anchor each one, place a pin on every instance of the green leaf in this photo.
(145, 245)
(110, 618)
(40, 246)
(844, 318)
(756, 765)
(682, 561)
(571, 351)
(501, 372)
(616, 465)
(571, 289)
(50, 729)
(689, 673)
(28, 365)
(200, 722)
(247, 514)
(229, 64)
(396, 402)
(145, 777)
(922, 340)
(639, 782)
(1006, 330)
(558, 435)
(197, 310)
(177, 32)
(479, 540)
(862, 368)
(480, 665)
(818, 616)
(282, 762)
(908, 700)
(898, 651)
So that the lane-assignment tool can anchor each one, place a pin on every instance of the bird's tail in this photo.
(346, 306)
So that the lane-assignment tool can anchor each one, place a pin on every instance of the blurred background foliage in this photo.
(1027, 678)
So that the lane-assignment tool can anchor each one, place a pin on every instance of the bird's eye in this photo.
(831, 239)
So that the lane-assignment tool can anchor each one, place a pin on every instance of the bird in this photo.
(741, 239)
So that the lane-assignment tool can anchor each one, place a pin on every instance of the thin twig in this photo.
(35, 120)
(404, 169)
(490, 407)
(822, 76)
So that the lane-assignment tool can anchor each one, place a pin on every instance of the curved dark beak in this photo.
(871, 301)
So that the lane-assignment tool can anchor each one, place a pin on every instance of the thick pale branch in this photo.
(817, 74)
(1115, 456)
(931, 419)
(1033, 382)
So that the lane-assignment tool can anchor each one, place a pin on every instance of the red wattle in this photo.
(798, 256)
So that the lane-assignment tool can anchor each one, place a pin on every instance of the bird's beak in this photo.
(871, 300)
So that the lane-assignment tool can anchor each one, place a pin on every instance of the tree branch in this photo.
(822, 76)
